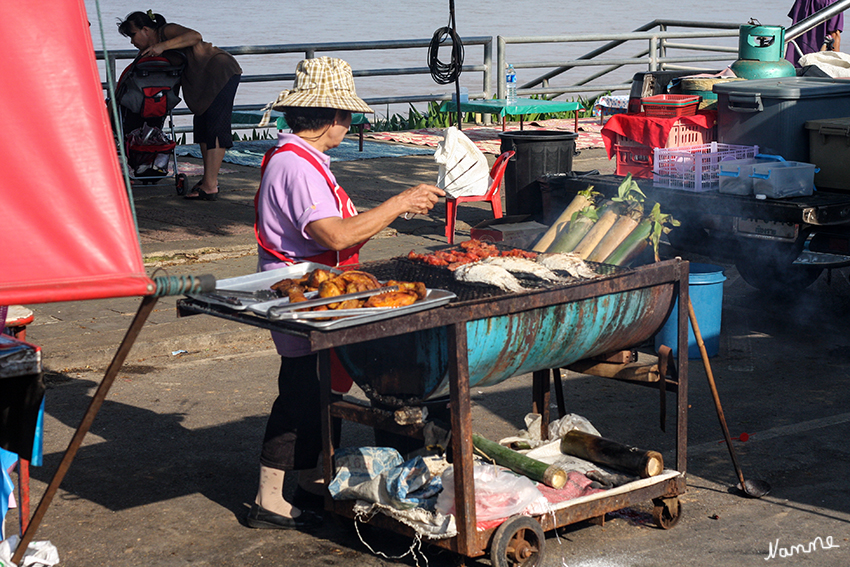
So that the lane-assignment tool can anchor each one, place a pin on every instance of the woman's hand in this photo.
(420, 199)
(154, 50)
(335, 233)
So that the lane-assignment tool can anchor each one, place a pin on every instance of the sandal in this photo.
(201, 195)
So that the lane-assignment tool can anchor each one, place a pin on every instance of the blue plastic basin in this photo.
(705, 286)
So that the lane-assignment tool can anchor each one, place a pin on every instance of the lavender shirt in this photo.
(811, 41)
(292, 195)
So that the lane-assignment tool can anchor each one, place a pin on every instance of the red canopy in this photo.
(68, 231)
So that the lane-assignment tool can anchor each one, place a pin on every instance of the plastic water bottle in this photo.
(510, 80)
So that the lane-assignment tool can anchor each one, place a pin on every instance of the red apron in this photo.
(340, 380)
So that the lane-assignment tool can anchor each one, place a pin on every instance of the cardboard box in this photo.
(515, 230)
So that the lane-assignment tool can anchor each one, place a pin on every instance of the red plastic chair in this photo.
(493, 195)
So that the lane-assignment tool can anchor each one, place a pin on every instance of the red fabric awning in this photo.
(68, 231)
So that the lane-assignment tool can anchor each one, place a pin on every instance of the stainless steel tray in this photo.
(257, 281)
(435, 298)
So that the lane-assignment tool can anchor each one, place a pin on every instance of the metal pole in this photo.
(815, 19)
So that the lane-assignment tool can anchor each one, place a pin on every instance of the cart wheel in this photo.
(666, 512)
(180, 180)
(518, 542)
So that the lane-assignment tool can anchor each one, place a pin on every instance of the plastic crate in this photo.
(636, 160)
(670, 105)
(680, 135)
(695, 168)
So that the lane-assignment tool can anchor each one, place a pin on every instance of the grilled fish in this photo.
(479, 272)
(525, 266)
(570, 263)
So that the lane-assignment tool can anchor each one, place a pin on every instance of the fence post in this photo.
(501, 88)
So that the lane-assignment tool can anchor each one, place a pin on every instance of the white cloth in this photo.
(833, 63)
(463, 167)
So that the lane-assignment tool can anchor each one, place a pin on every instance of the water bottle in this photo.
(510, 80)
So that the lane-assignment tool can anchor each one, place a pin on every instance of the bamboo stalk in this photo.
(550, 475)
(578, 203)
(610, 453)
(633, 245)
(616, 235)
(573, 234)
(597, 232)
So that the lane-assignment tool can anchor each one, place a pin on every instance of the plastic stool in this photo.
(17, 319)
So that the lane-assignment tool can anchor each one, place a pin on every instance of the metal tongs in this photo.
(283, 311)
(234, 296)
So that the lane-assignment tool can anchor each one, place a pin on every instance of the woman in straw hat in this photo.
(302, 214)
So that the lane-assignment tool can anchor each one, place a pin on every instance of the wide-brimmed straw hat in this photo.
(323, 82)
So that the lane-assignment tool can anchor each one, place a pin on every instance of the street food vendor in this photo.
(303, 215)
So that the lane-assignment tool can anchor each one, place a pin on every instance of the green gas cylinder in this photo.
(760, 53)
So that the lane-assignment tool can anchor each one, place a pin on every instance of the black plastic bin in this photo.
(538, 153)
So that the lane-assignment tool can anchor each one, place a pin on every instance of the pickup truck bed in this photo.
(776, 244)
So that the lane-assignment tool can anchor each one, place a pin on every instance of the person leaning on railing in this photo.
(209, 82)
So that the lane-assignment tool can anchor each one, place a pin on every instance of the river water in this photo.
(254, 22)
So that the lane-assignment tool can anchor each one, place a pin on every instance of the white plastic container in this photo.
(783, 179)
(735, 174)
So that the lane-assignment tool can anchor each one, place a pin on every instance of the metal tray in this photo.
(435, 298)
(257, 281)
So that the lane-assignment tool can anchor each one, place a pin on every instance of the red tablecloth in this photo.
(650, 131)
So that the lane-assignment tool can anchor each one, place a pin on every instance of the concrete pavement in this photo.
(169, 468)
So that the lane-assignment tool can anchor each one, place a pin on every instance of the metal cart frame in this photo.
(469, 541)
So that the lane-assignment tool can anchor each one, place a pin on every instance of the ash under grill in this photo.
(440, 277)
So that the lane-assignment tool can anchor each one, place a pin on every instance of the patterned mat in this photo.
(487, 137)
(251, 153)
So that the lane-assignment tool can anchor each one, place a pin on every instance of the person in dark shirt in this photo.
(826, 36)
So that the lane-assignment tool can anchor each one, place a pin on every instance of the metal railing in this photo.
(311, 50)
(653, 39)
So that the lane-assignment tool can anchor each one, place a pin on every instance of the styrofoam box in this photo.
(772, 113)
(782, 179)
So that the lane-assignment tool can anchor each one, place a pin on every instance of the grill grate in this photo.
(440, 277)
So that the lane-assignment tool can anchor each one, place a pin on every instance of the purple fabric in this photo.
(292, 195)
(811, 41)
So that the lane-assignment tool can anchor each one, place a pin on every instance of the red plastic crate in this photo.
(636, 160)
(632, 156)
(670, 105)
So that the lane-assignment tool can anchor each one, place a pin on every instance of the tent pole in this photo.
(145, 309)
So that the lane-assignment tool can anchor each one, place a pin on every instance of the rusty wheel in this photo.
(518, 542)
(666, 512)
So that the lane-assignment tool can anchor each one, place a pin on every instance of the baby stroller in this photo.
(147, 92)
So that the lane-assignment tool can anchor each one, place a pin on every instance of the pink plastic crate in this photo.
(695, 168)
(680, 135)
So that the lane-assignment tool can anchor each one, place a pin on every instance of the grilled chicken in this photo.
(392, 299)
(416, 287)
(570, 263)
(488, 274)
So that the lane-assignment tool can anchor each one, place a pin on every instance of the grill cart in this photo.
(481, 338)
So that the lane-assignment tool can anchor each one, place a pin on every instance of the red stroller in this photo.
(147, 92)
